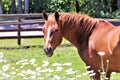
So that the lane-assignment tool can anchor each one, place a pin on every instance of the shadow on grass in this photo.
(31, 46)
(22, 47)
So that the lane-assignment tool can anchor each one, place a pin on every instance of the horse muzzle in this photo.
(48, 51)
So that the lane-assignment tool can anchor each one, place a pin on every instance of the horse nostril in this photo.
(47, 50)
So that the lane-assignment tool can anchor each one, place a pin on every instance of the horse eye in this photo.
(53, 32)
(56, 30)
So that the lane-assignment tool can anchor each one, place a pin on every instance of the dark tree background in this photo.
(95, 8)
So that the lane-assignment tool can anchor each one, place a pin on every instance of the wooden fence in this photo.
(25, 19)
(21, 19)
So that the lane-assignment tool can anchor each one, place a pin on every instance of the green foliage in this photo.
(6, 6)
(116, 14)
(36, 6)
(61, 5)
(94, 8)
(51, 5)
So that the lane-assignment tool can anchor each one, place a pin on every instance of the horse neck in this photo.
(69, 35)
(73, 32)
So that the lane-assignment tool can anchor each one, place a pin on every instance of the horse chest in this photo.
(93, 61)
(84, 53)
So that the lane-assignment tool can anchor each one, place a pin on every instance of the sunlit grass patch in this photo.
(33, 64)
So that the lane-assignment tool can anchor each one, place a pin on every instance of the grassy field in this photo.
(28, 62)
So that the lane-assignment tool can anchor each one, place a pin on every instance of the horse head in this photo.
(52, 32)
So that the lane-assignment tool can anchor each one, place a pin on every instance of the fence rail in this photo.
(21, 19)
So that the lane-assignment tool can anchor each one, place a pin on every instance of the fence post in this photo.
(19, 30)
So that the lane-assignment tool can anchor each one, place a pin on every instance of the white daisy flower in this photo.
(101, 53)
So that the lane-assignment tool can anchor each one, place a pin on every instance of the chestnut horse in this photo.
(89, 35)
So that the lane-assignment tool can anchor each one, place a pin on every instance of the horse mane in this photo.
(83, 22)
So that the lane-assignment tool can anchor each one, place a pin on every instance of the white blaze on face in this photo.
(48, 36)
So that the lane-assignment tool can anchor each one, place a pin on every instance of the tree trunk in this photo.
(1, 9)
(19, 6)
(118, 4)
(13, 6)
(106, 2)
(113, 5)
(26, 4)
(77, 6)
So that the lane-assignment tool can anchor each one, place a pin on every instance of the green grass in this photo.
(18, 60)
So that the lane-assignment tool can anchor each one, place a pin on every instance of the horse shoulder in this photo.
(115, 41)
(100, 40)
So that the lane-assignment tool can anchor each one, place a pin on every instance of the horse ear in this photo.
(45, 16)
(56, 16)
